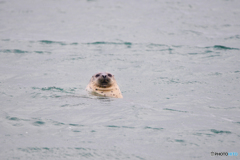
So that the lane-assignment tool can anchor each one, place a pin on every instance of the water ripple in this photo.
(56, 42)
(75, 153)
(174, 110)
(55, 89)
(109, 43)
(18, 51)
(220, 47)
(220, 132)
(38, 123)
(153, 128)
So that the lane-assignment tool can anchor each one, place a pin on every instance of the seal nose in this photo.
(104, 76)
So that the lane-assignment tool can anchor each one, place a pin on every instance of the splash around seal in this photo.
(104, 83)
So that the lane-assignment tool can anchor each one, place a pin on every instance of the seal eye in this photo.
(109, 75)
(97, 75)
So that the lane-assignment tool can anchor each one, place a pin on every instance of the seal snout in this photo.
(104, 76)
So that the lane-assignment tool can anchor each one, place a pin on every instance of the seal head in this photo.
(104, 80)
(104, 83)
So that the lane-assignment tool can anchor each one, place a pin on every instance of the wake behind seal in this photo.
(104, 83)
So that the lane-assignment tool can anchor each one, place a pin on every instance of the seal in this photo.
(104, 83)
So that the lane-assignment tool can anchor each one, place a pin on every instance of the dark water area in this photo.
(177, 64)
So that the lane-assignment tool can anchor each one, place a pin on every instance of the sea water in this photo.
(177, 64)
